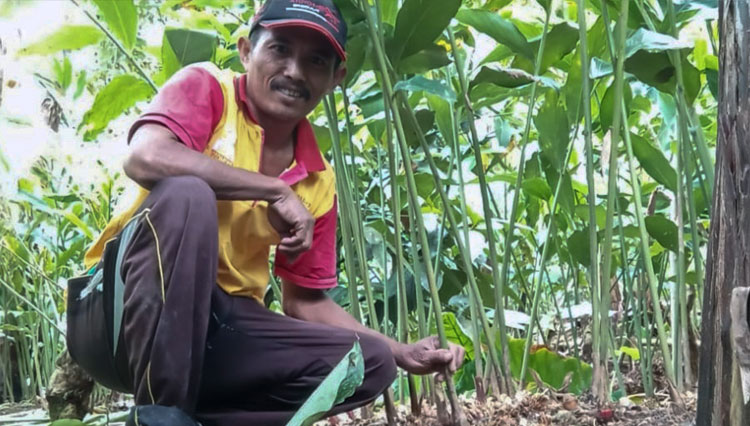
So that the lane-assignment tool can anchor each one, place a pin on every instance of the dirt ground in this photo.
(544, 409)
(525, 409)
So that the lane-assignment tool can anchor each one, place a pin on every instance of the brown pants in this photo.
(225, 360)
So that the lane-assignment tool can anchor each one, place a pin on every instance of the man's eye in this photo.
(319, 60)
(279, 48)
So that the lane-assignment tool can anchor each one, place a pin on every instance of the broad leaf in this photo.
(537, 187)
(120, 94)
(554, 132)
(182, 47)
(340, 384)
(68, 37)
(606, 111)
(644, 39)
(579, 246)
(551, 367)
(443, 118)
(653, 162)
(561, 40)
(509, 78)
(502, 30)
(419, 83)
(663, 230)
(503, 77)
(418, 24)
(121, 18)
(503, 132)
(455, 333)
(427, 59)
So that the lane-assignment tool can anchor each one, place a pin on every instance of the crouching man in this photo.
(228, 166)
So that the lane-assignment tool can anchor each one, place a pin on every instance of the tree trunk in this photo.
(728, 263)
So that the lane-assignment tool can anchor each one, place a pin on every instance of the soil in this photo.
(547, 409)
(524, 409)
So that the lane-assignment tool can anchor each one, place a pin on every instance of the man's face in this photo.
(289, 69)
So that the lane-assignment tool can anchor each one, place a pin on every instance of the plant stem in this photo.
(499, 321)
(119, 46)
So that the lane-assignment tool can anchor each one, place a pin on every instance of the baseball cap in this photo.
(320, 15)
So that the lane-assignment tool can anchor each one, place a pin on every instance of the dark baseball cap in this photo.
(320, 15)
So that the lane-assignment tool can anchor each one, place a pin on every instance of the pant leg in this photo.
(261, 366)
(169, 271)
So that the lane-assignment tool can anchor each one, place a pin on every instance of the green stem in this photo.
(119, 46)
(345, 227)
(458, 416)
(644, 240)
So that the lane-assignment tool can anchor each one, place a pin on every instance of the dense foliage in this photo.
(535, 175)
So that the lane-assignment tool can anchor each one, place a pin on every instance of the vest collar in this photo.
(306, 151)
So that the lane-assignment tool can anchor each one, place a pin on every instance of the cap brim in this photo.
(303, 23)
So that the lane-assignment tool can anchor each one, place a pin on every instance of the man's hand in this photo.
(293, 222)
(426, 356)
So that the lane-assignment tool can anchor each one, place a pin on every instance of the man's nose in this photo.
(294, 69)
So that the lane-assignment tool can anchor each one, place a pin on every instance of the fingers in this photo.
(458, 357)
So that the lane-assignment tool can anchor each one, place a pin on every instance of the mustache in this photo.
(288, 84)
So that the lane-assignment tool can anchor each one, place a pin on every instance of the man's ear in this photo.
(243, 48)
(338, 76)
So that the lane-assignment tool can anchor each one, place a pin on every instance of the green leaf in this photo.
(455, 333)
(503, 77)
(357, 47)
(443, 119)
(340, 384)
(503, 131)
(654, 162)
(428, 59)
(80, 84)
(121, 18)
(554, 132)
(67, 422)
(631, 352)
(68, 37)
(644, 39)
(537, 187)
(419, 83)
(120, 94)
(418, 24)
(579, 246)
(582, 211)
(551, 367)
(663, 230)
(181, 47)
(509, 78)
(606, 112)
(502, 30)
(63, 72)
(561, 40)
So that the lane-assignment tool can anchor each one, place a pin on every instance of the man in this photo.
(230, 167)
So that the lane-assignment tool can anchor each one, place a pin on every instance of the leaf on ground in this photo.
(551, 367)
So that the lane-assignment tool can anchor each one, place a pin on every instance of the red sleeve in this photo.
(315, 268)
(190, 105)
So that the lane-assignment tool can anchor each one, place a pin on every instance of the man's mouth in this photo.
(292, 92)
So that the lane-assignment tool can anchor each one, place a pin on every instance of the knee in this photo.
(185, 193)
(380, 366)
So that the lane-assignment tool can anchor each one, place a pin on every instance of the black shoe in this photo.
(158, 415)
